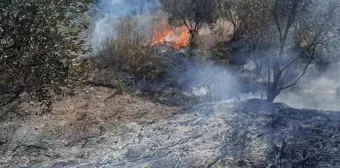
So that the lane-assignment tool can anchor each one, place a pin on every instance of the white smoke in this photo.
(108, 12)
(316, 90)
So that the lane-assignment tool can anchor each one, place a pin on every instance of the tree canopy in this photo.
(191, 13)
(40, 40)
(290, 35)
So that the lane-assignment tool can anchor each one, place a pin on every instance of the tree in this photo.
(251, 27)
(192, 13)
(40, 41)
(306, 23)
(229, 10)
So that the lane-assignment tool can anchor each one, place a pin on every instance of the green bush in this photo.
(121, 87)
(39, 46)
(222, 53)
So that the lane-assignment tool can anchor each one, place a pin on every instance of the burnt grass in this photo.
(177, 76)
(104, 129)
(247, 134)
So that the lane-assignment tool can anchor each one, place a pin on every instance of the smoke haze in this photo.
(108, 12)
(319, 90)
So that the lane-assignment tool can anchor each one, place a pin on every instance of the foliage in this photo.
(310, 27)
(248, 18)
(222, 53)
(39, 45)
(125, 50)
(121, 87)
(284, 35)
(191, 13)
(128, 52)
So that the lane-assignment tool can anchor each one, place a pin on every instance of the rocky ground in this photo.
(94, 129)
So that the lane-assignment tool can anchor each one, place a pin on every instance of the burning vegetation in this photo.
(178, 37)
(268, 46)
(139, 99)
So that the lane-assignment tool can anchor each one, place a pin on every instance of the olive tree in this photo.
(288, 36)
(191, 13)
(251, 27)
(39, 43)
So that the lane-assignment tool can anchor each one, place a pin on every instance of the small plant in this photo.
(222, 53)
(121, 87)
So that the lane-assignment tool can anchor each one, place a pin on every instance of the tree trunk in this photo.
(192, 39)
(271, 94)
(273, 88)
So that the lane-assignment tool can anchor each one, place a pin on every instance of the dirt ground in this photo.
(91, 111)
(92, 129)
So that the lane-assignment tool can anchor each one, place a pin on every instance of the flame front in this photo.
(178, 37)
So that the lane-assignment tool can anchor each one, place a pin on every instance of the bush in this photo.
(121, 87)
(222, 53)
(39, 44)
(128, 52)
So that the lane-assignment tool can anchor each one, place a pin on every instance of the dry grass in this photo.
(126, 51)
(90, 112)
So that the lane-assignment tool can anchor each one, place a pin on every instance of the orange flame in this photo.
(178, 37)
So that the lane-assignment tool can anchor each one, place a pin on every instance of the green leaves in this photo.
(39, 44)
(191, 13)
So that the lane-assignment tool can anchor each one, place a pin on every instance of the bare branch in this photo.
(290, 63)
(299, 77)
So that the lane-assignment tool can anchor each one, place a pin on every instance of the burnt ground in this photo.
(94, 129)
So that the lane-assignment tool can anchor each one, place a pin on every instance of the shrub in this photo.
(121, 87)
(39, 44)
(128, 52)
(222, 53)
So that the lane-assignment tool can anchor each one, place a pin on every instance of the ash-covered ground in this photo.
(92, 129)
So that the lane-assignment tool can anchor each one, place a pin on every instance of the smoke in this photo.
(318, 89)
(215, 82)
(108, 12)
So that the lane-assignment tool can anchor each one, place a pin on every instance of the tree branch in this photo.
(290, 63)
(299, 77)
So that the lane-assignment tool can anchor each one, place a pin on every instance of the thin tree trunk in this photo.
(273, 89)
(192, 39)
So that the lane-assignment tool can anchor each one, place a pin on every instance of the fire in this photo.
(178, 37)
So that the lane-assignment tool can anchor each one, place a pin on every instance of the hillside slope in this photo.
(88, 131)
